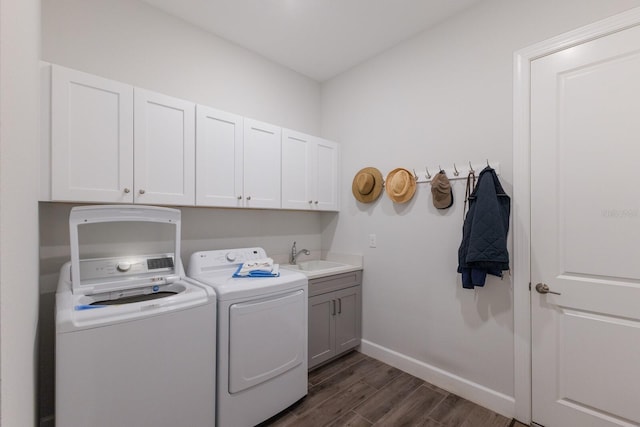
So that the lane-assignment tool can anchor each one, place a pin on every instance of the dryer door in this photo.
(267, 337)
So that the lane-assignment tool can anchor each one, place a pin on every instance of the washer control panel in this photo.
(100, 268)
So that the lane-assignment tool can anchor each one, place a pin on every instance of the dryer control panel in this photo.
(224, 258)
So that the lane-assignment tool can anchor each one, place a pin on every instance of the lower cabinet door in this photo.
(322, 347)
(348, 318)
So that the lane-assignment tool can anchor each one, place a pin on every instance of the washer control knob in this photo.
(231, 256)
(123, 266)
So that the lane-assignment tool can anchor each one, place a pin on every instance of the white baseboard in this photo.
(491, 399)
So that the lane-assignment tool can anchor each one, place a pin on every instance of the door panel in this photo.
(262, 160)
(164, 149)
(218, 158)
(585, 226)
(322, 342)
(297, 149)
(92, 138)
(348, 318)
(267, 338)
(326, 175)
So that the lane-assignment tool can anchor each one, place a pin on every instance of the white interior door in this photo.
(585, 230)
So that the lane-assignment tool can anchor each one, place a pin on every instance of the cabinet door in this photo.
(219, 143)
(297, 153)
(325, 169)
(322, 343)
(91, 138)
(262, 150)
(347, 318)
(164, 149)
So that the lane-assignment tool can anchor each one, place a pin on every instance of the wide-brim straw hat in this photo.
(441, 192)
(367, 185)
(400, 185)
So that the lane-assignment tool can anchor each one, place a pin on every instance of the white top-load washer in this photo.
(262, 336)
(135, 339)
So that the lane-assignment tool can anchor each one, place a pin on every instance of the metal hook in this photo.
(471, 167)
(415, 175)
(455, 170)
(428, 174)
(488, 165)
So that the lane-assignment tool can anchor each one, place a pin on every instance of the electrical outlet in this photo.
(372, 240)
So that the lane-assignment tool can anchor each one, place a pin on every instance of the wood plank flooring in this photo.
(360, 391)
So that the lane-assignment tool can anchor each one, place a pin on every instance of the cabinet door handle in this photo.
(141, 191)
(248, 197)
(127, 191)
(339, 305)
(239, 197)
(316, 202)
(333, 304)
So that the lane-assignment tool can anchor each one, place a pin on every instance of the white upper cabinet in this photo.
(164, 149)
(309, 172)
(219, 152)
(297, 175)
(91, 138)
(262, 160)
(107, 142)
(326, 162)
(99, 126)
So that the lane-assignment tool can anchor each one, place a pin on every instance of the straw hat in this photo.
(441, 191)
(367, 185)
(400, 185)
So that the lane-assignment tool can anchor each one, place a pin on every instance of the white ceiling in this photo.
(317, 38)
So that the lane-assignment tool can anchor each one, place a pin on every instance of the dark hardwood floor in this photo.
(356, 390)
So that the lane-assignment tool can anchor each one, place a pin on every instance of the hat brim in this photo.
(375, 192)
(407, 195)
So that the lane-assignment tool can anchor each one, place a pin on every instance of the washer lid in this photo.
(124, 271)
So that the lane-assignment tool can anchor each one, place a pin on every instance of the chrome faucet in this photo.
(295, 253)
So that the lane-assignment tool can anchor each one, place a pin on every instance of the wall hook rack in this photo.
(454, 173)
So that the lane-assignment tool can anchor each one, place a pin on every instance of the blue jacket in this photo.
(484, 234)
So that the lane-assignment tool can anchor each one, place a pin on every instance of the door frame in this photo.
(522, 190)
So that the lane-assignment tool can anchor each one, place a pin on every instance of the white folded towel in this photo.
(263, 265)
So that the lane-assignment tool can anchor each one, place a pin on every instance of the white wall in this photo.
(19, 51)
(442, 97)
(130, 41)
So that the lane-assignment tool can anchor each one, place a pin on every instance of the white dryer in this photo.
(135, 339)
(262, 336)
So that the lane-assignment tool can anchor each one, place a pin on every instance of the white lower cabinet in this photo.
(309, 172)
(111, 142)
(335, 311)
